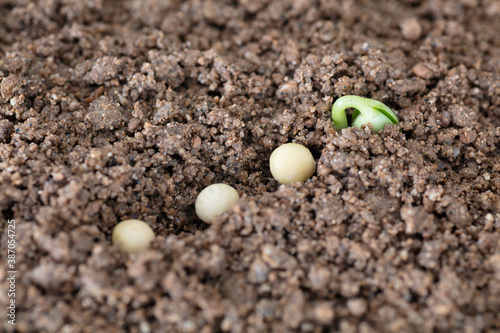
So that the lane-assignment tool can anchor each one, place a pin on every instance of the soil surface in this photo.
(111, 110)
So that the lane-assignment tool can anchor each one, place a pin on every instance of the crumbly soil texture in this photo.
(113, 110)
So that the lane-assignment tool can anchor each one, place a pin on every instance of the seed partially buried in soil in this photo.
(215, 200)
(132, 236)
(292, 163)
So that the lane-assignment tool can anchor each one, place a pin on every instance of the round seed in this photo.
(292, 163)
(132, 235)
(215, 200)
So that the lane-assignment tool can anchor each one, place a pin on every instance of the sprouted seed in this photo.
(366, 111)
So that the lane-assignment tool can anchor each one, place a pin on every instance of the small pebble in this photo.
(215, 200)
(411, 29)
(323, 313)
(132, 235)
(357, 306)
(292, 163)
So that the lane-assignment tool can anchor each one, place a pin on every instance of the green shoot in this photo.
(366, 111)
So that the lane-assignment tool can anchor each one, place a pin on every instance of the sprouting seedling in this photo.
(366, 111)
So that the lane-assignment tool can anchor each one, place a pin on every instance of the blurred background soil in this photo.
(111, 110)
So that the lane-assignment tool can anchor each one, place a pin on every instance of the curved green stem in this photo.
(367, 111)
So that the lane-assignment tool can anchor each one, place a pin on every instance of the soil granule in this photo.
(115, 110)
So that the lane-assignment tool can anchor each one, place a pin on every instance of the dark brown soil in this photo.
(111, 110)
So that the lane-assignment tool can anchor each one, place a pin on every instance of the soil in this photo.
(111, 110)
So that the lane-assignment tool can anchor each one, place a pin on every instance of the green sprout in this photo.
(366, 111)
